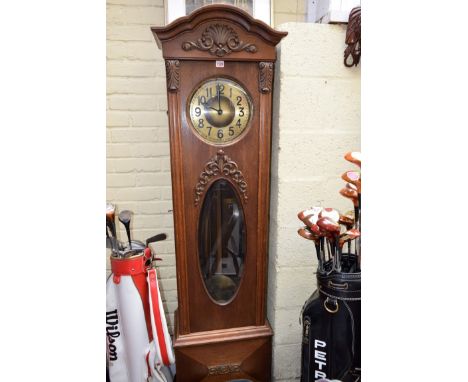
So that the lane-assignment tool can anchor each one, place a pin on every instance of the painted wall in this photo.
(316, 120)
(289, 11)
(138, 167)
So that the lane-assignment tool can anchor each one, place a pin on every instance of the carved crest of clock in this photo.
(219, 66)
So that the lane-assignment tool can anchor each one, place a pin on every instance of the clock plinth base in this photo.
(222, 355)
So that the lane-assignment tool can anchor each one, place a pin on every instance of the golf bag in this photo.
(139, 347)
(331, 324)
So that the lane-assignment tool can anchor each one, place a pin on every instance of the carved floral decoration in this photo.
(224, 369)
(219, 40)
(220, 165)
(265, 76)
(172, 74)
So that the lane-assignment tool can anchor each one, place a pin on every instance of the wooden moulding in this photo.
(220, 355)
(223, 335)
(218, 32)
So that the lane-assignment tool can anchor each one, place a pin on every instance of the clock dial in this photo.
(220, 110)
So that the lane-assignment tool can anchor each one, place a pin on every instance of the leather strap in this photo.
(154, 292)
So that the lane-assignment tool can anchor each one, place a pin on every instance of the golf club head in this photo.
(110, 219)
(351, 186)
(353, 157)
(353, 177)
(328, 225)
(349, 235)
(125, 216)
(350, 194)
(155, 238)
(347, 221)
(313, 211)
(306, 234)
(330, 213)
(310, 220)
(110, 211)
(315, 229)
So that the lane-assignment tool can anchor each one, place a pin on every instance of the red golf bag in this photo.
(139, 347)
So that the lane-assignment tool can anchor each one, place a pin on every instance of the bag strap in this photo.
(158, 321)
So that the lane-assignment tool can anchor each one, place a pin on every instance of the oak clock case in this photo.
(219, 68)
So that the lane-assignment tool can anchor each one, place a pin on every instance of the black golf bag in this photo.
(331, 324)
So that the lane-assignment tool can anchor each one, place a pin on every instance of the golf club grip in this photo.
(155, 238)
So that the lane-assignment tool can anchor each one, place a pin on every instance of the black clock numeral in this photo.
(231, 131)
(239, 100)
(200, 123)
(221, 89)
(209, 93)
(201, 100)
(197, 111)
(241, 111)
(220, 134)
(238, 123)
(209, 130)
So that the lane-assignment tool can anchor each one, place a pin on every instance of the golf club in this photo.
(155, 238)
(348, 221)
(110, 217)
(353, 195)
(309, 212)
(110, 223)
(353, 177)
(351, 186)
(349, 235)
(124, 217)
(315, 230)
(354, 157)
(330, 213)
(306, 234)
(333, 230)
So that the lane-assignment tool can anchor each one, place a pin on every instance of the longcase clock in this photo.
(219, 65)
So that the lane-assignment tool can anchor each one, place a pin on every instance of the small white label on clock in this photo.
(220, 64)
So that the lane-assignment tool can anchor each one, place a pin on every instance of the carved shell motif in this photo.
(220, 164)
(219, 40)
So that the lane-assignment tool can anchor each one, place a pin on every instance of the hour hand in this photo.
(219, 111)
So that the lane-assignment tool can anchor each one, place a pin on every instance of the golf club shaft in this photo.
(317, 249)
(127, 228)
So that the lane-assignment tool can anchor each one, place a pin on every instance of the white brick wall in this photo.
(288, 11)
(316, 120)
(138, 167)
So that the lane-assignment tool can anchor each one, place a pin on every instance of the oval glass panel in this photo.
(222, 241)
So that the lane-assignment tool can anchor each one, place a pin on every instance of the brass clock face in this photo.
(220, 110)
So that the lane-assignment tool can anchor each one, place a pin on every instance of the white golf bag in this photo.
(139, 347)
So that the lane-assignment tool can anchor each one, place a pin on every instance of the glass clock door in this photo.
(222, 242)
